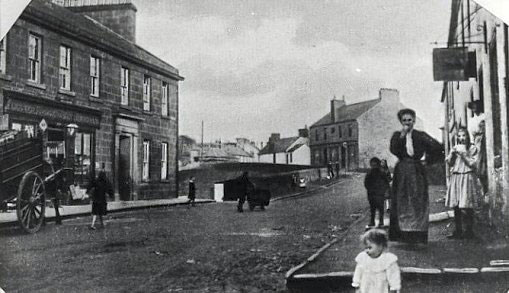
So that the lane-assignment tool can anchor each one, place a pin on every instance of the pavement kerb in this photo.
(114, 210)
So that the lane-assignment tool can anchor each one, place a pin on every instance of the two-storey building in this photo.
(350, 135)
(75, 70)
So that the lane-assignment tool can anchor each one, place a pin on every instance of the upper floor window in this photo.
(147, 88)
(350, 130)
(146, 160)
(95, 64)
(65, 68)
(340, 132)
(2, 55)
(124, 86)
(164, 161)
(164, 99)
(325, 133)
(332, 129)
(34, 57)
(317, 135)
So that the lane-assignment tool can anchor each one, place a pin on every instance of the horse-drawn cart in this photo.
(22, 178)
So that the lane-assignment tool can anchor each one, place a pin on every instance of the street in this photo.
(210, 247)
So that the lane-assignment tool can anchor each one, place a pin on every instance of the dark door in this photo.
(124, 168)
(343, 157)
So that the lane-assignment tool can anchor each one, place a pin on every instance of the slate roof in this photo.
(348, 112)
(295, 147)
(236, 151)
(279, 146)
(96, 34)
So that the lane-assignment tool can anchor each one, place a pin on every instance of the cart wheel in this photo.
(31, 202)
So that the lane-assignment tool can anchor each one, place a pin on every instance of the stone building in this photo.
(106, 101)
(482, 37)
(289, 150)
(350, 135)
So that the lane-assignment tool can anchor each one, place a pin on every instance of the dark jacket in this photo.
(422, 142)
(100, 186)
(376, 183)
(192, 190)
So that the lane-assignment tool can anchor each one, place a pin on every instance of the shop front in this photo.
(68, 131)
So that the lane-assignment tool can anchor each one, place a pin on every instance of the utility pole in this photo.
(201, 153)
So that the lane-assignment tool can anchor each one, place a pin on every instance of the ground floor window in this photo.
(54, 148)
(164, 161)
(26, 127)
(83, 160)
(146, 160)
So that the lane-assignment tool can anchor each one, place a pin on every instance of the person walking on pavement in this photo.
(376, 185)
(330, 170)
(98, 188)
(244, 185)
(462, 189)
(409, 198)
(377, 270)
(192, 192)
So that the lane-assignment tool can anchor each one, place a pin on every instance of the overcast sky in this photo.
(254, 67)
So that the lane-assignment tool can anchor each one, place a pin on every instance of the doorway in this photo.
(124, 168)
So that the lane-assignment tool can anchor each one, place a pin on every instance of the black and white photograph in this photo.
(254, 146)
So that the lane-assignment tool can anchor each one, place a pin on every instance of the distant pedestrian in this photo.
(98, 188)
(376, 186)
(462, 189)
(377, 270)
(244, 185)
(330, 170)
(192, 192)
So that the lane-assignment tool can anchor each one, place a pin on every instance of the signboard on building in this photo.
(453, 64)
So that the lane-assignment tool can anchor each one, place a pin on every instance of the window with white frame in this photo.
(164, 161)
(34, 57)
(146, 160)
(164, 99)
(2, 55)
(94, 76)
(146, 92)
(65, 68)
(124, 86)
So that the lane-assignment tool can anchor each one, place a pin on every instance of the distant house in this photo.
(186, 149)
(350, 135)
(249, 147)
(290, 150)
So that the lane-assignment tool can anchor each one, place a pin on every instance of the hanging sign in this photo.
(43, 125)
(453, 64)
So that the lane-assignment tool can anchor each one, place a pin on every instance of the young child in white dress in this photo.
(377, 270)
(463, 187)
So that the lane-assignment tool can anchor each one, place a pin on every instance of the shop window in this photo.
(83, 160)
(146, 160)
(65, 68)
(34, 57)
(164, 99)
(28, 128)
(55, 148)
(147, 89)
(124, 86)
(94, 76)
(164, 161)
(2, 55)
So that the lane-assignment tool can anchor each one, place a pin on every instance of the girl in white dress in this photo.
(463, 187)
(377, 270)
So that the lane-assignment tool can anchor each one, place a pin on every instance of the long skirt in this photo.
(462, 191)
(409, 203)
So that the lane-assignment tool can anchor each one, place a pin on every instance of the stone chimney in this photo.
(274, 137)
(335, 104)
(304, 132)
(117, 15)
(389, 95)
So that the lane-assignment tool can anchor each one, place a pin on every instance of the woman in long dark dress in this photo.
(409, 199)
(99, 187)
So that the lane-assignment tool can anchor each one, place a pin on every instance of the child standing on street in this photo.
(192, 191)
(376, 184)
(98, 188)
(377, 270)
(462, 187)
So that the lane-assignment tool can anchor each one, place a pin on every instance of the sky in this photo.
(256, 67)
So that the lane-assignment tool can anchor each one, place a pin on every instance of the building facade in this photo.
(485, 37)
(350, 135)
(104, 102)
(289, 150)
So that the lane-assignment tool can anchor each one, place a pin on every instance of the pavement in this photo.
(9, 218)
(332, 266)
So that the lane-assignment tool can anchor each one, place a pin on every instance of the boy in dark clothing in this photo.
(98, 188)
(376, 184)
(192, 191)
